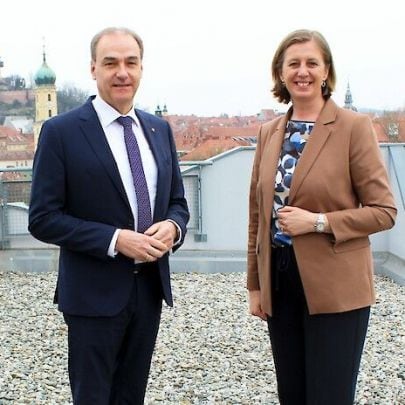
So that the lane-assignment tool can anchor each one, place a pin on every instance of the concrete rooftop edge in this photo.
(199, 261)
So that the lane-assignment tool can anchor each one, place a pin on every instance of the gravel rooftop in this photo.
(209, 349)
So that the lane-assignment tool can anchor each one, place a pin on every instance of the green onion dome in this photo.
(45, 75)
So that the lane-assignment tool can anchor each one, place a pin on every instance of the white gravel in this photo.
(209, 350)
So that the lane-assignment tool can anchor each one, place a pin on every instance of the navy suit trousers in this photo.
(109, 357)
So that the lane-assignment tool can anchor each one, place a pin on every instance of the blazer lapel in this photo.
(271, 150)
(95, 136)
(317, 139)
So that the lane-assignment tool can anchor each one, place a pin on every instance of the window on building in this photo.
(191, 194)
(49, 97)
(49, 113)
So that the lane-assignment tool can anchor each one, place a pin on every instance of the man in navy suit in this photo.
(112, 275)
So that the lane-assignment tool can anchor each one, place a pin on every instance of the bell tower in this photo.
(349, 99)
(45, 96)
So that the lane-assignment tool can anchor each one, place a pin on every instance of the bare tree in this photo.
(70, 97)
(390, 121)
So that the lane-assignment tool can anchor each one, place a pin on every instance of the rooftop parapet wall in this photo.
(217, 192)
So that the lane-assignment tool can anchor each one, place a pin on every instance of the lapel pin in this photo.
(153, 129)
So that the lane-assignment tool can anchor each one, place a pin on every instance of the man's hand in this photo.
(139, 246)
(255, 307)
(164, 231)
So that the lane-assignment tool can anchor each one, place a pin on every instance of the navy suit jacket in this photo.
(78, 201)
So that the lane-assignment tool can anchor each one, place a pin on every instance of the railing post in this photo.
(4, 241)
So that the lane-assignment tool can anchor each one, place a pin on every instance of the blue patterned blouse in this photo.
(296, 136)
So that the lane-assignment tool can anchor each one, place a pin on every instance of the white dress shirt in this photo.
(114, 133)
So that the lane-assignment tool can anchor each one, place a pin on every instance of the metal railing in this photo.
(397, 160)
(15, 189)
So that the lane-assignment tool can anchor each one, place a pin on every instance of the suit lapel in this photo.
(154, 138)
(97, 140)
(317, 139)
(150, 134)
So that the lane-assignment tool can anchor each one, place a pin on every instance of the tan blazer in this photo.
(340, 173)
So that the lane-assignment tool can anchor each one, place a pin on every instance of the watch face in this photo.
(320, 227)
(320, 223)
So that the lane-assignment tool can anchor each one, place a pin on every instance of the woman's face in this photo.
(303, 71)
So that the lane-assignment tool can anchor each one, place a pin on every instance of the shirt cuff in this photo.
(179, 233)
(111, 249)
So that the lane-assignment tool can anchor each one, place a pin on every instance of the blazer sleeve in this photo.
(49, 220)
(177, 209)
(252, 267)
(370, 183)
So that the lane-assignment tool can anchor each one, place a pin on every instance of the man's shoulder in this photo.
(143, 115)
(73, 114)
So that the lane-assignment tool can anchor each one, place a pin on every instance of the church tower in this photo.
(349, 99)
(45, 96)
(2, 82)
(1, 66)
(158, 111)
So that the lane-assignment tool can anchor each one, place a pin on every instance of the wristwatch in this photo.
(320, 223)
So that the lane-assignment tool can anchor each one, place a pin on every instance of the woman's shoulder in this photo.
(351, 115)
(351, 123)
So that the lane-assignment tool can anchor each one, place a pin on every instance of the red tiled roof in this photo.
(379, 130)
(11, 139)
(14, 136)
(210, 148)
(380, 125)
(16, 155)
(227, 132)
(192, 133)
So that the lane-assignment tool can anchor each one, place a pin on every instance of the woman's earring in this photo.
(283, 83)
(323, 83)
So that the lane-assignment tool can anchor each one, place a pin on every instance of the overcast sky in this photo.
(209, 57)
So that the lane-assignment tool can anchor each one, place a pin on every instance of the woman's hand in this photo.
(295, 221)
(255, 307)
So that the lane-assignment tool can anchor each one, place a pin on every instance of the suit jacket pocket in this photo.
(351, 244)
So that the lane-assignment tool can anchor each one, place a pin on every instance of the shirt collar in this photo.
(107, 114)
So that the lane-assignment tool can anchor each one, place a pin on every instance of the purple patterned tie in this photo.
(138, 175)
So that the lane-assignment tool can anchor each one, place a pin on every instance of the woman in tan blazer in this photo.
(319, 188)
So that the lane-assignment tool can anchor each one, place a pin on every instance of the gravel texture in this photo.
(209, 350)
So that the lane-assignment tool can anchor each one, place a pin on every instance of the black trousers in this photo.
(109, 357)
(316, 357)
